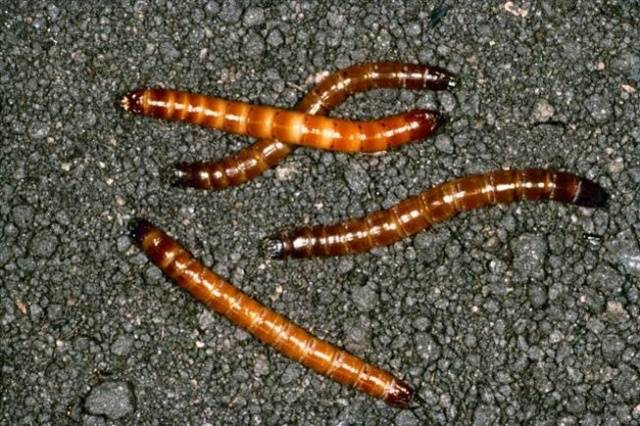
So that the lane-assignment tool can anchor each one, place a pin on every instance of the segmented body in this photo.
(287, 126)
(268, 326)
(266, 153)
(435, 205)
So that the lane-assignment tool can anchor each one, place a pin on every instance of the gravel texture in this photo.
(505, 315)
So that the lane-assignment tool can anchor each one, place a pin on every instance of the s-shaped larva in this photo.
(435, 205)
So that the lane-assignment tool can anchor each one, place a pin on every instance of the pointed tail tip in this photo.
(173, 175)
(592, 194)
(139, 228)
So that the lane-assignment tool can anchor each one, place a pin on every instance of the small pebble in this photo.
(111, 399)
(357, 179)
(43, 244)
(365, 298)
(529, 253)
(543, 111)
(253, 16)
(426, 347)
(599, 108)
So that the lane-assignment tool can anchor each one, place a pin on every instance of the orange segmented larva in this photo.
(287, 126)
(435, 205)
(253, 160)
(266, 325)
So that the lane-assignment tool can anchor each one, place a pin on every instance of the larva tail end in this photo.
(177, 175)
(139, 229)
(132, 101)
(591, 194)
(273, 247)
(400, 395)
(436, 78)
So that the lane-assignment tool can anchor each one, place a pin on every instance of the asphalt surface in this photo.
(507, 315)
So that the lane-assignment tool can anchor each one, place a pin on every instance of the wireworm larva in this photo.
(287, 126)
(266, 325)
(255, 159)
(435, 205)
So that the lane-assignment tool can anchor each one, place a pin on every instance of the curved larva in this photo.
(287, 126)
(271, 328)
(435, 205)
(259, 157)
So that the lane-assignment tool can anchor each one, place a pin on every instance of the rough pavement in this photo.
(505, 315)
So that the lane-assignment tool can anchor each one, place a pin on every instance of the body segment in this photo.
(268, 326)
(434, 205)
(266, 153)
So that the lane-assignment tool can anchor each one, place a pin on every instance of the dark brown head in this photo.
(139, 229)
(400, 395)
(440, 118)
(133, 101)
(428, 122)
(439, 79)
(590, 194)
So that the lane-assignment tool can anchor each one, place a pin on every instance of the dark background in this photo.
(505, 315)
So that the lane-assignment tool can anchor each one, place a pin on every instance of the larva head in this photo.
(139, 229)
(400, 395)
(133, 101)
(590, 194)
(274, 248)
(426, 122)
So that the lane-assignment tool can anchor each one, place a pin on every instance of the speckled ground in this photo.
(506, 315)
